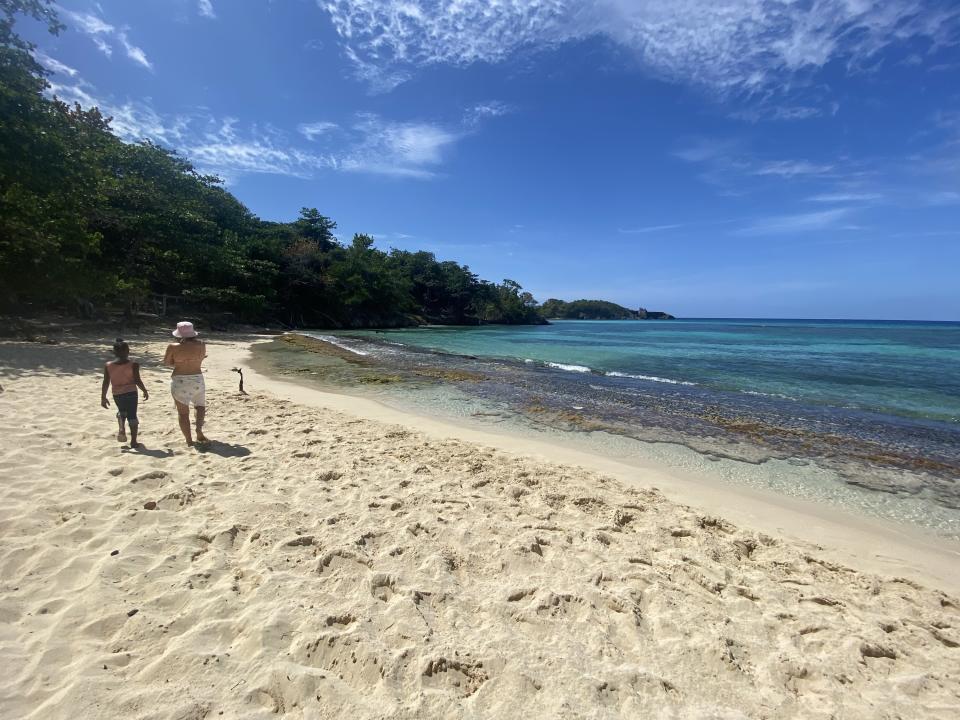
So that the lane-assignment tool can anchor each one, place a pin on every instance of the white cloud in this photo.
(76, 93)
(205, 8)
(735, 169)
(397, 148)
(54, 65)
(724, 45)
(800, 112)
(213, 145)
(371, 144)
(229, 159)
(799, 223)
(311, 131)
(650, 229)
(391, 236)
(942, 197)
(103, 46)
(101, 33)
(87, 23)
(134, 53)
(135, 121)
(480, 112)
(491, 108)
(706, 149)
(791, 168)
(844, 197)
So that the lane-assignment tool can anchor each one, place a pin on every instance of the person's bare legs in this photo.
(201, 414)
(134, 426)
(183, 417)
(121, 432)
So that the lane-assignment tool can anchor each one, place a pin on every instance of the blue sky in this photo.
(726, 158)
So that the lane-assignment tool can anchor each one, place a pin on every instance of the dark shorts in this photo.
(127, 406)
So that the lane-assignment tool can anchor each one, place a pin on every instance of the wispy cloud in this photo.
(214, 145)
(257, 154)
(742, 46)
(392, 236)
(397, 148)
(481, 111)
(205, 8)
(103, 34)
(88, 23)
(928, 176)
(798, 112)
(736, 170)
(706, 149)
(78, 92)
(844, 197)
(369, 143)
(311, 131)
(54, 65)
(139, 121)
(798, 223)
(649, 229)
(133, 52)
(792, 168)
(103, 46)
(942, 197)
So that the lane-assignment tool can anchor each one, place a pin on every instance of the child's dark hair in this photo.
(120, 347)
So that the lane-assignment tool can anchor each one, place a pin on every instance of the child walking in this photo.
(123, 376)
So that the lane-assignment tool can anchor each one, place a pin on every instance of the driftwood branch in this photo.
(240, 372)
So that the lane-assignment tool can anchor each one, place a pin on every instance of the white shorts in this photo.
(189, 389)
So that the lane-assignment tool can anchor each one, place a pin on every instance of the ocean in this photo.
(907, 369)
(864, 412)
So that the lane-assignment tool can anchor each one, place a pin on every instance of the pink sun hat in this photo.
(184, 330)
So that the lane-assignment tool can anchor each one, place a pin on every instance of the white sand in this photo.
(317, 564)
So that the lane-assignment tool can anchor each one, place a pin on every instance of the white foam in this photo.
(652, 378)
(776, 395)
(335, 341)
(570, 368)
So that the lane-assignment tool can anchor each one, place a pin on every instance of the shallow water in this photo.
(898, 368)
(863, 416)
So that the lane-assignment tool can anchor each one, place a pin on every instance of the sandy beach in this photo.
(324, 557)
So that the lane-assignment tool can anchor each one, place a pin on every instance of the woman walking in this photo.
(186, 385)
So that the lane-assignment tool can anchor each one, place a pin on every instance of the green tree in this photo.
(48, 184)
(86, 216)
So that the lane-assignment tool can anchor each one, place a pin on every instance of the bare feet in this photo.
(121, 436)
(201, 438)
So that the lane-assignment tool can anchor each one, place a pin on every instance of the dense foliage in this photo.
(596, 310)
(87, 219)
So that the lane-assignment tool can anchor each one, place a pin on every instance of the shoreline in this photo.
(860, 541)
(888, 466)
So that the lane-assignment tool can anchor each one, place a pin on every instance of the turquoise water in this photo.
(905, 369)
(863, 415)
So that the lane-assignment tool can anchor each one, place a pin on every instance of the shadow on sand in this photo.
(143, 450)
(215, 447)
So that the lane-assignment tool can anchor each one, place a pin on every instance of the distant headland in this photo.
(554, 309)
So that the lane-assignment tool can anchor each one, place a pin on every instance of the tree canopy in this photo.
(87, 218)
